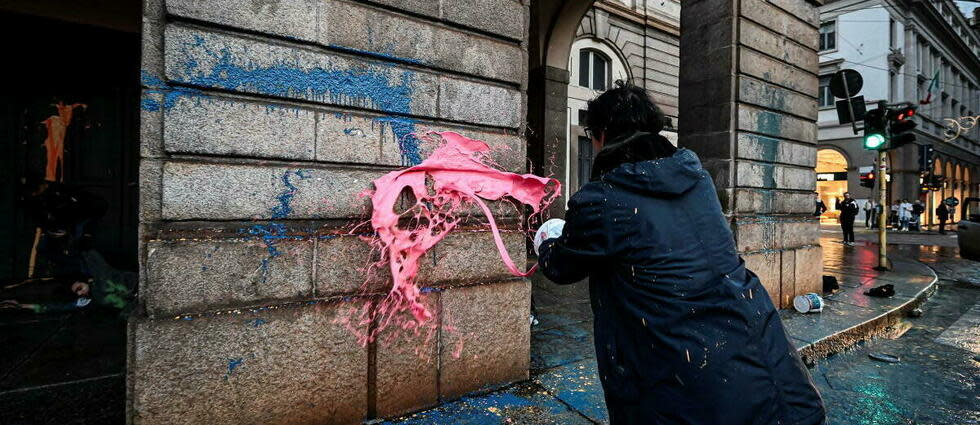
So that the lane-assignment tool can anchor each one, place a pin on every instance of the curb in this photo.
(847, 338)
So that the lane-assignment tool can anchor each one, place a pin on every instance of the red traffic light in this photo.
(903, 113)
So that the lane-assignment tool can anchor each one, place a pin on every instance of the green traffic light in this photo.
(873, 141)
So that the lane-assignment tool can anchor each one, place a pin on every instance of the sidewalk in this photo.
(564, 388)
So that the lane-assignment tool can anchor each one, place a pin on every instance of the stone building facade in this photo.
(899, 47)
(748, 107)
(263, 121)
(261, 124)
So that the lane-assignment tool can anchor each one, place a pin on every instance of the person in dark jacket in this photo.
(875, 221)
(848, 212)
(943, 213)
(819, 207)
(684, 332)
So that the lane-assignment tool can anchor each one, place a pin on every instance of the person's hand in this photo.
(550, 229)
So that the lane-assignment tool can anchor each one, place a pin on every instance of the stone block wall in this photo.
(261, 124)
(748, 92)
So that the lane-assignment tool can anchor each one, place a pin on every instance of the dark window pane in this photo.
(583, 67)
(598, 72)
(826, 98)
(828, 36)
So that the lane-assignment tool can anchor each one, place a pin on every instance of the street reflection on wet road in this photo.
(936, 381)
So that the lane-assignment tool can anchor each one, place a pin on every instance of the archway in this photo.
(552, 31)
(831, 170)
(73, 145)
(594, 65)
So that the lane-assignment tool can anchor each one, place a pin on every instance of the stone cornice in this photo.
(931, 19)
(639, 18)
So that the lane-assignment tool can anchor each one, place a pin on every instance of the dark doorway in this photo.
(69, 119)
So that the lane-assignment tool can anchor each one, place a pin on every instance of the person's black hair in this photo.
(623, 111)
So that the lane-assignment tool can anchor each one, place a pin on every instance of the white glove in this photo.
(550, 229)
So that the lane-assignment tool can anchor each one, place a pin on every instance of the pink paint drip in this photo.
(457, 175)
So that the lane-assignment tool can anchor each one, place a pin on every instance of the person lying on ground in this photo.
(105, 285)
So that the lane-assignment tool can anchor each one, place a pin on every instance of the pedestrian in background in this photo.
(848, 212)
(875, 223)
(904, 215)
(868, 212)
(917, 210)
(684, 332)
(943, 213)
(820, 208)
(893, 215)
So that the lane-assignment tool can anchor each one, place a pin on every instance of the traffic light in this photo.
(874, 129)
(926, 159)
(900, 125)
(868, 179)
(932, 182)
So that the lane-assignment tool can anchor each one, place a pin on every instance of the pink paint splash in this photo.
(457, 175)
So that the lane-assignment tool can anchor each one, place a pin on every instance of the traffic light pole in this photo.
(883, 217)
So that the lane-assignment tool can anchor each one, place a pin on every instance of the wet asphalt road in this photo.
(937, 380)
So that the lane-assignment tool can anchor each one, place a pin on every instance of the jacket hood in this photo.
(671, 175)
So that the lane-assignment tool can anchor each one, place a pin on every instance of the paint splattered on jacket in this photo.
(684, 333)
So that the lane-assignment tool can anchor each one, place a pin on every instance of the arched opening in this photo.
(577, 50)
(831, 181)
(594, 65)
(72, 154)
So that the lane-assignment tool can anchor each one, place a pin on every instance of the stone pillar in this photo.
(261, 123)
(748, 87)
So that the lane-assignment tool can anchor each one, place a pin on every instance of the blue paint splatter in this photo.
(286, 197)
(769, 123)
(270, 233)
(370, 85)
(274, 231)
(366, 85)
(255, 322)
(408, 142)
(155, 85)
(232, 365)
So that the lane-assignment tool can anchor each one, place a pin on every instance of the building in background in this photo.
(634, 40)
(900, 48)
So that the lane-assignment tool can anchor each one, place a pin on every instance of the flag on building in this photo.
(933, 87)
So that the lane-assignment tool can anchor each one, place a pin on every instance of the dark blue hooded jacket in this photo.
(684, 333)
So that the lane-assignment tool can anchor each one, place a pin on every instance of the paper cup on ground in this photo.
(808, 303)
